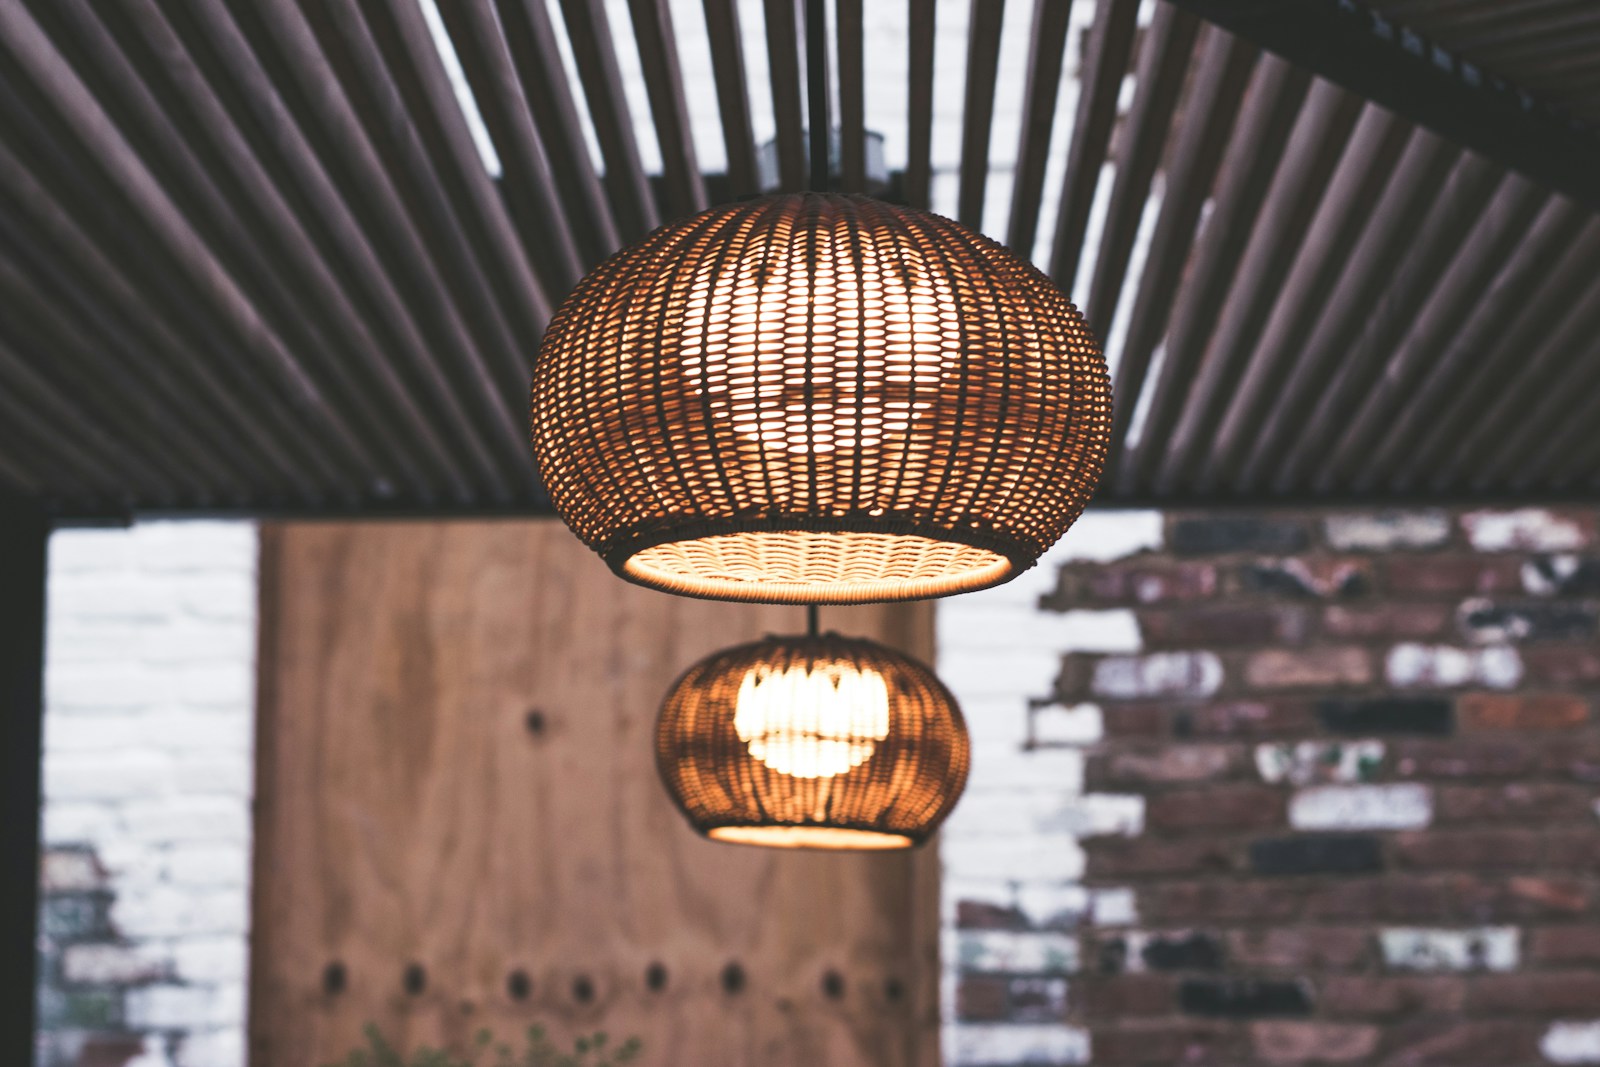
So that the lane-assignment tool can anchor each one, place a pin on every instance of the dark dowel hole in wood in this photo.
(655, 977)
(415, 979)
(535, 723)
(894, 990)
(334, 978)
(833, 985)
(733, 978)
(519, 985)
(582, 989)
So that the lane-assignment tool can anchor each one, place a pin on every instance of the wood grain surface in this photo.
(456, 780)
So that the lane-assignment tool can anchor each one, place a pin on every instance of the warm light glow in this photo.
(812, 723)
(835, 837)
(840, 356)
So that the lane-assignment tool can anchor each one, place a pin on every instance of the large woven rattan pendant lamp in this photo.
(817, 398)
(812, 742)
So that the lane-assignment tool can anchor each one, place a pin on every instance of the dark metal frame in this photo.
(24, 537)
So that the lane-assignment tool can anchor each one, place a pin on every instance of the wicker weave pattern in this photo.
(894, 776)
(823, 365)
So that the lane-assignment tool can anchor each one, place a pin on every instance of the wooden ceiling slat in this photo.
(545, 188)
(246, 246)
(1477, 397)
(1046, 52)
(102, 465)
(663, 81)
(1163, 66)
(977, 113)
(783, 69)
(1105, 63)
(1209, 114)
(733, 96)
(328, 453)
(1318, 141)
(530, 35)
(589, 31)
(919, 103)
(1495, 322)
(96, 355)
(371, 186)
(269, 151)
(395, 74)
(1267, 117)
(1424, 315)
(1274, 387)
(852, 98)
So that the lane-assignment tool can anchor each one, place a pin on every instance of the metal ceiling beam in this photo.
(1354, 46)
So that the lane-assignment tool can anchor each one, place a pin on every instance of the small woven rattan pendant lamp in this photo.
(812, 742)
(815, 398)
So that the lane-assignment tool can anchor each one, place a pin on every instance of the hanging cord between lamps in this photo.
(817, 91)
(811, 620)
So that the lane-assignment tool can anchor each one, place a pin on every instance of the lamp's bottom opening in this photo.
(804, 567)
(831, 837)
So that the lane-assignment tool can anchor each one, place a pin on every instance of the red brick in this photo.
(1561, 664)
(1577, 758)
(1474, 850)
(1535, 993)
(981, 915)
(1387, 622)
(1251, 718)
(1578, 943)
(1126, 995)
(1127, 767)
(1401, 898)
(1201, 903)
(1537, 802)
(1245, 807)
(1312, 1042)
(1195, 1044)
(1572, 849)
(1136, 720)
(1317, 668)
(1461, 758)
(1453, 575)
(1140, 582)
(1301, 947)
(1459, 1043)
(1114, 859)
(1223, 626)
(1320, 578)
(1521, 711)
(1536, 897)
(982, 998)
(1393, 996)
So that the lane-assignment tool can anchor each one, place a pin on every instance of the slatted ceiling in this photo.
(784, 71)
(733, 95)
(1046, 54)
(1550, 47)
(589, 33)
(1270, 107)
(1460, 315)
(252, 259)
(1105, 63)
(1472, 409)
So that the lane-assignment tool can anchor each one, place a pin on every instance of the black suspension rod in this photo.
(817, 91)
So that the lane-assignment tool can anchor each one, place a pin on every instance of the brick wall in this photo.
(149, 693)
(1368, 764)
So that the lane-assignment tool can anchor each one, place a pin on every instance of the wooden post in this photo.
(24, 539)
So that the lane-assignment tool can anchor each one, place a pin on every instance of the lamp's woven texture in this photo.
(813, 742)
(819, 398)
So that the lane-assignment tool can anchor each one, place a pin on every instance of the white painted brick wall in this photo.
(1014, 839)
(149, 733)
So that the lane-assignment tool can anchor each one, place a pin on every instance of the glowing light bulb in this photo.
(840, 355)
(812, 722)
